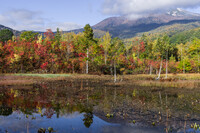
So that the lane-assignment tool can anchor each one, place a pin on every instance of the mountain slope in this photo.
(124, 27)
(15, 32)
(173, 28)
(185, 36)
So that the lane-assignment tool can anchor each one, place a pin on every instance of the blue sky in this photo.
(78, 11)
(49, 13)
(40, 15)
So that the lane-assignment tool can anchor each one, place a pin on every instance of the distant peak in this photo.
(176, 12)
(179, 12)
(179, 9)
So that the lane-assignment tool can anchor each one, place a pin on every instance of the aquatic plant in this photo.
(195, 126)
(50, 129)
(109, 115)
(41, 130)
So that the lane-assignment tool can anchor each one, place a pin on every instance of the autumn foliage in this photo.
(67, 53)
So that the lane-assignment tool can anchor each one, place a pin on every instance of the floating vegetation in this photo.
(195, 126)
(50, 129)
(168, 129)
(42, 130)
(153, 124)
(109, 115)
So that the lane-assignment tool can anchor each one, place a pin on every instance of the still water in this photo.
(88, 106)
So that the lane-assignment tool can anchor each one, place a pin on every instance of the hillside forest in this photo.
(83, 53)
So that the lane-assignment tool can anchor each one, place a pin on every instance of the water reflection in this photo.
(72, 123)
(82, 106)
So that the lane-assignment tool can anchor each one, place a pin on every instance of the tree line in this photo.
(83, 53)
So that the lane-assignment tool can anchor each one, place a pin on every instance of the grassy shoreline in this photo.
(42, 75)
(173, 80)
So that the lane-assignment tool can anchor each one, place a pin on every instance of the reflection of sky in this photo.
(71, 116)
(16, 123)
(68, 123)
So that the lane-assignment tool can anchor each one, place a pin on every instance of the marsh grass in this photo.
(190, 84)
(29, 79)
(16, 82)
(174, 80)
(44, 75)
(190, 81)
(170, 76)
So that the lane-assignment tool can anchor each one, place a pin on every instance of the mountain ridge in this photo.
(125, 27)
(15, 32)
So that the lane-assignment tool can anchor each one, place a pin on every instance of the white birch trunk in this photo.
(150, 69)
(105, 58)
(160, 69)
(166, 69)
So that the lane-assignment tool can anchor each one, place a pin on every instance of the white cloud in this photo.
(64, 26)
(21, 19)
(141, 7)
(195, 10)
(22, 14)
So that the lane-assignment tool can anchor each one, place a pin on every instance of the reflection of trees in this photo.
(5, 111)
(57, 109)
(88, 116)
(49, 113)
(64, 98)
(88, 119)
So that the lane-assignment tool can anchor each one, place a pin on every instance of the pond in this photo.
(96, 106)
